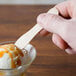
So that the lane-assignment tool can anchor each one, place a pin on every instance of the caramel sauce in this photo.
(19, 62)
(17, 52)
(1, 54)
(13, 63)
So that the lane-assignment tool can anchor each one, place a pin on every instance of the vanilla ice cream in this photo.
(13, 61)
(10, 56)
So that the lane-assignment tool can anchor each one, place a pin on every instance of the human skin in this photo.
(63, 26)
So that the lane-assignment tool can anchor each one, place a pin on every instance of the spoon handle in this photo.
(27, 37)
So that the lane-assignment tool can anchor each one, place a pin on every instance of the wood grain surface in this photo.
(50, 61)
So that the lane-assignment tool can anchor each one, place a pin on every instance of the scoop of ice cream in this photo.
(10, 56)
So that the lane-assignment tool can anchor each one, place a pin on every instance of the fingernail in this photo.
(70, 51)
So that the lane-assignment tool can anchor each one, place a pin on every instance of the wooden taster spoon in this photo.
(27, 37)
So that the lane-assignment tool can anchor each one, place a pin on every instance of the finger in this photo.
(52, 23)
(70, 51)
(44, 32)
(63, 9)
(58, 41)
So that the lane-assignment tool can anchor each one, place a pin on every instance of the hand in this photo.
(63, 26)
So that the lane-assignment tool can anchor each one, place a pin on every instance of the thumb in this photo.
(52, 23)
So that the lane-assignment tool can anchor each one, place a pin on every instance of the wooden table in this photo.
(51, 61)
